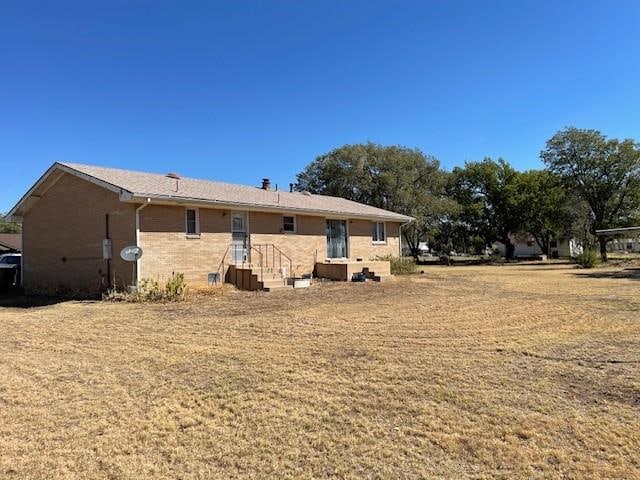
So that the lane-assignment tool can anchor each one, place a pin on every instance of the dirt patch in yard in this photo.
(515, 371)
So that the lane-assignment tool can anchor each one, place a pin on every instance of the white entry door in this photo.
(239, 238)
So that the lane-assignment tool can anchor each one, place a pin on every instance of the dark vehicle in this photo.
(10, 269)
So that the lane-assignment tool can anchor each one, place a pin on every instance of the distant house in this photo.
(622, 240)
(527, 247)
(10, 243)
(77, 218)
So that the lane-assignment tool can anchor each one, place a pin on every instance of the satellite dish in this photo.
(131, 254)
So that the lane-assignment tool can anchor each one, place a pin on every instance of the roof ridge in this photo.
(164, 175)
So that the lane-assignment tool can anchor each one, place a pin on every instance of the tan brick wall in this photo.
(361, 241)
(310, 237)
(167, 248)
(63, 233)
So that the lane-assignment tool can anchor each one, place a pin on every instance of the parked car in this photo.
(10, 269)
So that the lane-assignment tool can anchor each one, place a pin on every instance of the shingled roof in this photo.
(138, 186)
(10, 241)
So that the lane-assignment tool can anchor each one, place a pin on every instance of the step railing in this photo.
(221, 266)
(278, 257)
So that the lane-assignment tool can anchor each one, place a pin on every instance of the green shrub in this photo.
(149, 290)
(588, 259)
(176, 288)
(400, 265)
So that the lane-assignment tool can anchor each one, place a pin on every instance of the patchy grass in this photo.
(515, 371)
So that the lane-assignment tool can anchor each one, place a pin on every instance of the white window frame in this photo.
(295, 224)
(186, 222)
(384, 230)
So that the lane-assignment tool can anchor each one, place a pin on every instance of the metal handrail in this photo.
(251, 247)
(275, 250)
(221, 265)
(282, 254)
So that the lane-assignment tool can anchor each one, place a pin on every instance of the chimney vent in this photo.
(266, 184)
(291, 187)
(175, 177)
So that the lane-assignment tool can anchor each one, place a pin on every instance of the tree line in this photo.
(589, 183)
(8, 227)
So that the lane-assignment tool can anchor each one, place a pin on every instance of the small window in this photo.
(192, 222)
(288, 224)
(378, 232)
(10, 260)
(553, 244)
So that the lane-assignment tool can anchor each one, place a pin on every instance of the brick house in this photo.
(77, 218)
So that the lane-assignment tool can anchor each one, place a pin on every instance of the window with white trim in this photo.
(289, 224)
(379, 232)
(193, 223)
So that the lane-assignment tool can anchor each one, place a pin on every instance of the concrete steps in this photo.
(273, 284)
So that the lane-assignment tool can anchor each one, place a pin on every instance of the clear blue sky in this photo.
(237, 90)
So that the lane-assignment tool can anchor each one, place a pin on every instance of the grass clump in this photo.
(149, 290)
(400, 265)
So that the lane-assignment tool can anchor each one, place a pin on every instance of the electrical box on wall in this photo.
(107, 249)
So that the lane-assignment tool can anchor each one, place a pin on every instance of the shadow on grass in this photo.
(627, 273)
(16, 298)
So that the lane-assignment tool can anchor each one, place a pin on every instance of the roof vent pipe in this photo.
(266, 184)
(291, 187)
(174, 176)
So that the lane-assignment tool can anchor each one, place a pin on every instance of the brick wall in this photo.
(361, 241)
(63, 233)
(167, 248)
(310, 237)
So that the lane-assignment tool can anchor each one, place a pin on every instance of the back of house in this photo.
(77, 218)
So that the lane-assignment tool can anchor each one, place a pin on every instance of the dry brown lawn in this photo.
(465, 372)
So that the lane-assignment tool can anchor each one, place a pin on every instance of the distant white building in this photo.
(527, 247)
(624, 239)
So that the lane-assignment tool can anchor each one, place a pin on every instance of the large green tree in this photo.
(605, 173)
(546, 210)
(487, 193)
(395, 178)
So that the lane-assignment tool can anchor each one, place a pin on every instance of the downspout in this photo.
(138, 267)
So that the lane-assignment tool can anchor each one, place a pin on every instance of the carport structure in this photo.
(626, 239)
(10, 243)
